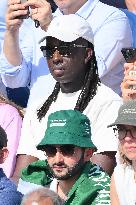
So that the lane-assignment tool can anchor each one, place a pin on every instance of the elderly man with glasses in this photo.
(68, 171)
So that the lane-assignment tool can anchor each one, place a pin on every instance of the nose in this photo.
(57, 57)
(128, 135)
(59, 157)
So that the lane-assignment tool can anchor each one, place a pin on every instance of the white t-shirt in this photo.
(125, 184)
(102, 110)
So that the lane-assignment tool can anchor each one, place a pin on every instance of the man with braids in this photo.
(71, 60)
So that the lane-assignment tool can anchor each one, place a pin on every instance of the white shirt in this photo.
(125, 184)
(102, 110)
(111, 32)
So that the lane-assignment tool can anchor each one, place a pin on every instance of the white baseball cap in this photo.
(68, 28)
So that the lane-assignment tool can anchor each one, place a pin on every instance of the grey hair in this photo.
(41, 193)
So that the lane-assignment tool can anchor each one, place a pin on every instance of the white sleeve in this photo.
(19, 76)
(114, 34)
(28, 141)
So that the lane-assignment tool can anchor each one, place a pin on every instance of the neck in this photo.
(64, 186)
(73, 8)
(71, 87)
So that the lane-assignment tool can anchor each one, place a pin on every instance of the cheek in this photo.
(49, 64)
(70, 161)
(129, 152)
(50, 160)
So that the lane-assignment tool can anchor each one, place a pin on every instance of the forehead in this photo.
(41, 201)
(55, 42)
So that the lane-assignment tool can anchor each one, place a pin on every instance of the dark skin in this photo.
(70, 71)
(68, 78)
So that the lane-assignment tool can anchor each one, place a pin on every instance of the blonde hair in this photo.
(4, 100)
(123, 159)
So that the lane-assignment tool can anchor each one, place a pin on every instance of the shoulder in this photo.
(97, 174)
(9, 111)
(9, 194)
(106, 94)
(93, 185)
(109, 10)
(108, 15)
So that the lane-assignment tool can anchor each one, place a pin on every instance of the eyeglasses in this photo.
(64, 50)
(66, 150)
(121, 132)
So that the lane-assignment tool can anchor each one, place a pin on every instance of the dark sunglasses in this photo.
(66, 150)
(121, 132)
(64, 50)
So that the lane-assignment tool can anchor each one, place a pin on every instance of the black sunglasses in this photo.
(66, 150)
(64, 50)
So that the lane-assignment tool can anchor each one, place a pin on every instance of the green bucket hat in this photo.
(67, 127)
(126, 114)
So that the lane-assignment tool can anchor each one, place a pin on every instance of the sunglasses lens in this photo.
(64, 50)
(49, 52)
(67, 150)
(50, 151)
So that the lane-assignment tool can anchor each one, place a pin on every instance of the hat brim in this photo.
(131, 122)
(63, 139)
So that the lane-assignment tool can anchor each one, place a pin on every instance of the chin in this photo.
(61, 176)
(62, 4)
(131, 156)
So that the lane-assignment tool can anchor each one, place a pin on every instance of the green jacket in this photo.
(91, 188)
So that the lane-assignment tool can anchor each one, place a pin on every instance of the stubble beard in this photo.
(72, 171)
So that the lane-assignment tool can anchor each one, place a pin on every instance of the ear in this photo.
(88, 154)
(89, 53)
(3, 154)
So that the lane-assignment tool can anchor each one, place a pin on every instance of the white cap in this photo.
(70, 27)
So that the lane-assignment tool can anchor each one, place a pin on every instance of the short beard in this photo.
(72, 171)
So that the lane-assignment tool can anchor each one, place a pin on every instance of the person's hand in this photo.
(128, 92)
(41, 11)
(131, 5)
(15, 9)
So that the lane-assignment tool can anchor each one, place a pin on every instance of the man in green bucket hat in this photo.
(68, 171)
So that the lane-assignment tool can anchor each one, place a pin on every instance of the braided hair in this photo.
(89, 89)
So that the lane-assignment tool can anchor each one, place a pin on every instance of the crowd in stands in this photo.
(67, 102)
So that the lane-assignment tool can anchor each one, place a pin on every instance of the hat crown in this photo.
(68, 127)
(126, 114)
(72, 119)
(70, 27)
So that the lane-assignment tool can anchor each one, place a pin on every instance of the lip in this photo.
(58, 168)
(131, 148)
(58, 72)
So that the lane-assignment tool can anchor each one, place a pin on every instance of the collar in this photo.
(84, 11)
(82, 177)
